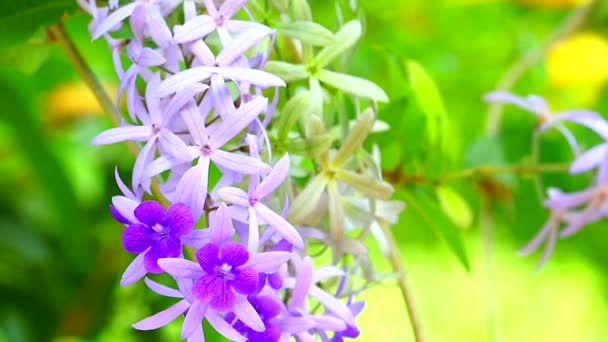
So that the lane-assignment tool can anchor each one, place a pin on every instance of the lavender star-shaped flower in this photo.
(158, 234)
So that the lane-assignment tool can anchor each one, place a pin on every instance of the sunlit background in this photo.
(61, 254)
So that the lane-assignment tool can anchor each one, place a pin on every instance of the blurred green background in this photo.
(61, 254)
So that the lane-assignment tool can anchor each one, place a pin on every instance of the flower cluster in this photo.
(197, 90)
(569, 212)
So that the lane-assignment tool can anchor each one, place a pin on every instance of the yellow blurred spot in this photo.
(73, 100)
(554, 3)
(577, 66)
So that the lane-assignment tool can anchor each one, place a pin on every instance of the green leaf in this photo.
(307, 32)
(312, 147)
(20, 19)
(353, 85)
(287, 71)
(337, 219)
(282, 6)
(355, 138)
(432, 215)
(454, 206)
(26, 57)
(429, 99)
(344, 39)
(293, 110)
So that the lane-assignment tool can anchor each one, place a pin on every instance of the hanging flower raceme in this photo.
(205, 108)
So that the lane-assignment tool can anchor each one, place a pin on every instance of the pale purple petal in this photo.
(327, 272)
(149, 57)
(122, 186)
(234, 196)
(569, 138)
(220, 325)
(330, 323)
(202, 52)
(259, 78)
(333, 304)
(586, 118)
(526, 104)
(126, 207)
(135, 271)
(559, 200)
(138, 23)
(549, 247)
(222, 100)
(141, 163)
(197, 335)
(230, 7)
(302, 284)
(124, 133)
(239, 163)
(195, 123)
(174, 83)
(210, 6)
(173, 145)
(294, 325)
(150, 213)
(157, 27)
(241, 44)
(254, 231)
(162, 289)
(180, 268)
(197, 238)
(164, 317)
(113, 19)
(539, 237)
(195, 28)
(245, 312)
(192, 188)
(589, 159)
(287, 231)
(221, 225)
(181, 98)
(246, 113)
(268, 262)
(161, 164)
(274, 179)
(194, 318)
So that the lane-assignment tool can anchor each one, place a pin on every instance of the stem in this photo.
(59, 34)
(404, 286)
(520, 67)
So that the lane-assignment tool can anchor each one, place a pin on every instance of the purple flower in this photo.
(268, 309)
(252, 201)
(158, 234)
(224, 274)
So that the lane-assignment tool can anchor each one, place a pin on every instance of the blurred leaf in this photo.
(301, 10)
(20, 19)
(307, 32)
(355, 137)
(434, 217)
(26, 57)
(454, 206)
(353, 85)
(429, 98)
(487, 151)
(291, 113)
(16, 98)
(365, 184)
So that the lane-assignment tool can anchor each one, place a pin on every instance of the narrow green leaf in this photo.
(307, 199)
(454, 206)
(355, 138)
(20, 19)
(432, 215)
(366, 184)
(307, 32)
(282, 6)
(344, 39)
(286, 71)
(316, 96)
(353, 85)
(26, 57)
(429, 99)
(294, 109)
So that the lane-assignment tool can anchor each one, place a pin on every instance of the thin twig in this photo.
(59, 34)
(519, 69)
(404, 286)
